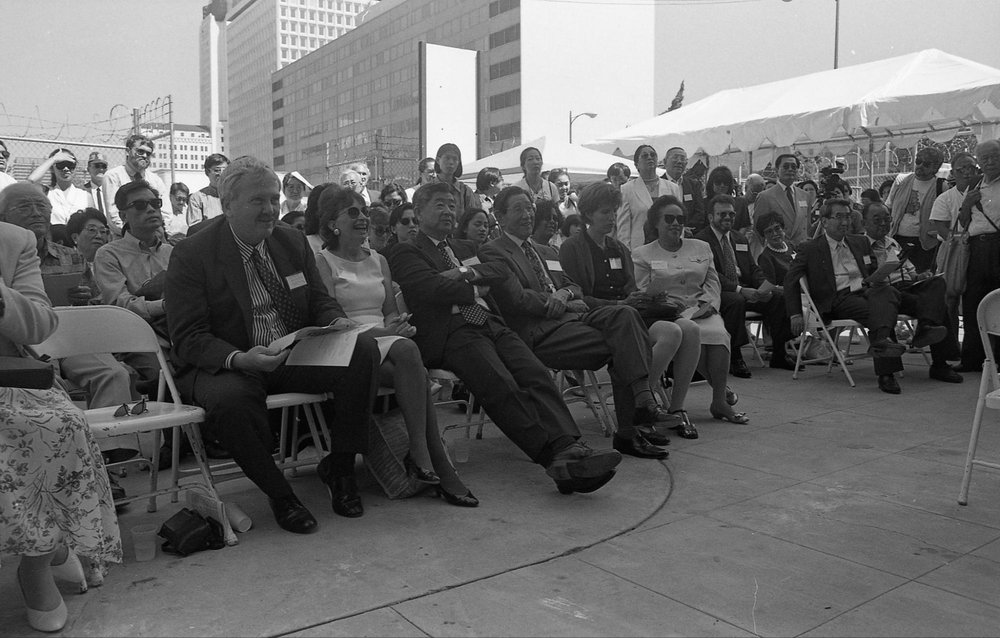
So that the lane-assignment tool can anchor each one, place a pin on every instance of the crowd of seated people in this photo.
(652, 277)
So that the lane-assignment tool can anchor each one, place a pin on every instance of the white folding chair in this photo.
(988, 315)
(593, 396)
(755, 326)
(110, 329)
(828, 332)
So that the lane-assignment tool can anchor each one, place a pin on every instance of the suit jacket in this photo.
(416, 267)
(522, 301)
(578, 265)
(631, 217)
(814, 260)
(797, 220)
(28, 317)
(694, 203)
(749, 276)
(210, 314)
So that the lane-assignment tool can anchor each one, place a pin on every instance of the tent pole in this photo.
(871, 161)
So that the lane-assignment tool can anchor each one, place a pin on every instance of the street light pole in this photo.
(573, 118)
(836, 32)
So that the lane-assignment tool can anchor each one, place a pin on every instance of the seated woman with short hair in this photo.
(359, 279)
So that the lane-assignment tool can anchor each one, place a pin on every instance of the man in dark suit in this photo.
(547, 311)
(837, 267)
(742, 282)
(448, 291)
(675, 163)
(233, 289)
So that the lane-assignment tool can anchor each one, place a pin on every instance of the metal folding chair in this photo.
(828, 332)
(988, 315)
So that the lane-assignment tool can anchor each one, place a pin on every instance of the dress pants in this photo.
(876, 308)
(926, 302)
(513, 385)
(921, 258)
(236, 410)
(733, 309)
(608, 335)
(107, 382)
(983, 277)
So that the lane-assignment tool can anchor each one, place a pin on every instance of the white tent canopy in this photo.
(899, 99)
(582, 163)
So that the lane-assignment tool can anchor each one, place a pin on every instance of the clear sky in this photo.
(73, 60)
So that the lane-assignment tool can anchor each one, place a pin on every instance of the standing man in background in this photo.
(138, 155)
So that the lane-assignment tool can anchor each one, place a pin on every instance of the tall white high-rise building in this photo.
(212, 72)
(262, 36)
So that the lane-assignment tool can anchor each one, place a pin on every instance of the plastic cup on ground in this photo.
(460, 448)
(144, 542)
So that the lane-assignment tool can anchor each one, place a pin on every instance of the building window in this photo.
(500, 6)
(504, 100)
(276, 85)
(502, 37)
(279, 122)
(277, 104)
(505, 132)
(507, 67)
(279, 160)
(279, 141)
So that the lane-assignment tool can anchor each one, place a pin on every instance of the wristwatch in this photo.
(464, 270)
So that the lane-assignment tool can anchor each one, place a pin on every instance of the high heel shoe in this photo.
(48, 621)
(71, 571)
(466, 500)
(731, 397)
(418, 473)
(685, 429)
(738, 418)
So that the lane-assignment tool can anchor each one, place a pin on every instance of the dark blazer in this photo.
(750, 274)
(577, 263)
(742, 214)
(522, 301)
(416, 267)
(814, 260)
(694, 203)
(209, 312)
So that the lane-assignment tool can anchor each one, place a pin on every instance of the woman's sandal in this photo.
(738, 417)
(685, 429)
(731, 397)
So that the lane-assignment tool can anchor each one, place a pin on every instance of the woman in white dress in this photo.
(359, 279)
(684, 269)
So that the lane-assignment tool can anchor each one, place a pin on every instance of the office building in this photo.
(262, 36)
(359, 97)
(212, 72)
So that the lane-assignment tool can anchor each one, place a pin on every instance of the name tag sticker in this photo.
(553, 265)
(687, 197)
(742, 248)
(471, 261)
(296, 280)
(802, 203)
(616, 263)
(867, 260)
(658, 265)
(348, 275)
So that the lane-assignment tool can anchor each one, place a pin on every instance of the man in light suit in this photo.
(837, 266)
(547, 311)
(791, 201)
(234, 288)
(638, 196)
(458, 328)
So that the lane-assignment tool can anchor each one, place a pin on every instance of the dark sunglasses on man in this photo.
(143, 204)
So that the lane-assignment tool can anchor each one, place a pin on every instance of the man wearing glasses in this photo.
(5, 179)
(205, 203)
(97, 166)
(138, 155)
(791, 201)
(837, 267)
(911, 200)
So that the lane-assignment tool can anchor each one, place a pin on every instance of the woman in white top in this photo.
(359, 279)
(533, 183)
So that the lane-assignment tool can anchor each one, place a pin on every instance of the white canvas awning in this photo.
(928, 93)
(582, 163)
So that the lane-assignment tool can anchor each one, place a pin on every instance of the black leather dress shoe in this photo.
(928, 335)
(652, 413)
(739, 369)
(292, 515)
(887, 383)
(783, 363)
(650, 433)
(343, 490)
(639, 447)
(945, 373)
(584, 485)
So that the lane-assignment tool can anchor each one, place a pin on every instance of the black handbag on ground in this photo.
(188, 531)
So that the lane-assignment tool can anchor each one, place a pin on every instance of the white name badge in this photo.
(687, 197)
(802, 203)
(296, 280)
(348, 275)
(553, 265)
(471, 261)
(742, 248)
(659, 265)
(616, 263)
(867, 260)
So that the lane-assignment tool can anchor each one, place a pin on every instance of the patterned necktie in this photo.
(728, 259)
(472, 313)
(536, 264)
(281, 299)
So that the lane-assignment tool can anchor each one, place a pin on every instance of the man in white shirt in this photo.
(97, 166)
(363, 173)
(638, 196)
(138, 155)
(5, 179)
(911, 200)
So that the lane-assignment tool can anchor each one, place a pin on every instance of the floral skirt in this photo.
(53, 486)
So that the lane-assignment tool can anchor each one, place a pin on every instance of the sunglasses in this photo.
(727, 213)
(100, 167)
(406, 221)
(924, 162)
(381, 230)
(143, 204)
(183, 200)
(670, 219)
(354, 212)
(135, 410)
(66, 165)
(142, 151)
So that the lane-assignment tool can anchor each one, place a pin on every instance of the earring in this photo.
(336, 231)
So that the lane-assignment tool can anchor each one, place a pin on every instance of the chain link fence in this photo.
(27, 154)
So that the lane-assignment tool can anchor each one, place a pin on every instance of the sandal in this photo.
(685, 429)
(739, 418)
(731, 397)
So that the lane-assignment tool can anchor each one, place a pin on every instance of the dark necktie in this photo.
(99, 198)
(791, 198)
(280, 297)
(536, 264)
(728, 259)
(137, 177)
(472, 313)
